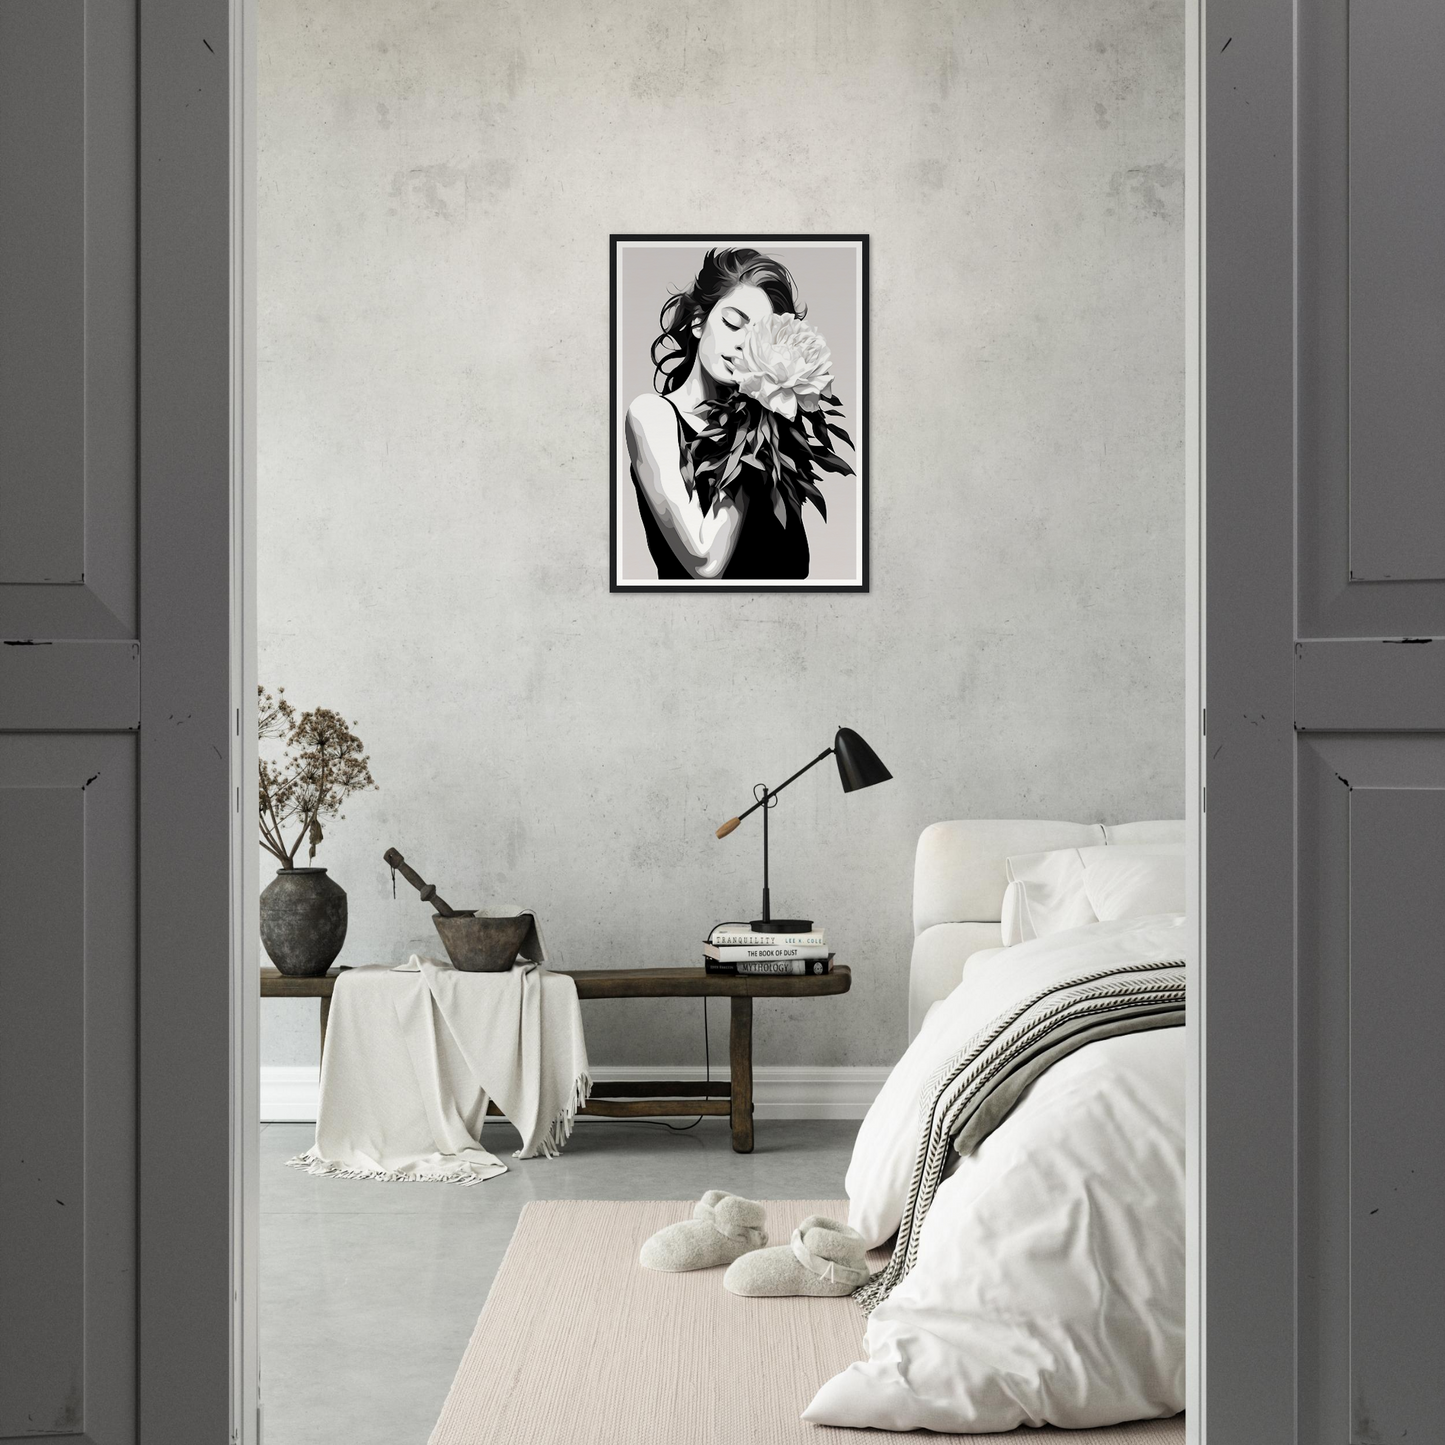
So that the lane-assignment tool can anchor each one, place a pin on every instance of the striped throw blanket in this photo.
(969, 1096)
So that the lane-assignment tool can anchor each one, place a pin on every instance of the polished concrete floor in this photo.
(369, 1291)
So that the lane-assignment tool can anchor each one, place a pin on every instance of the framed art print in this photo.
(739, 413)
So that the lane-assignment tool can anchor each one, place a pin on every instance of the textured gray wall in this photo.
(437, 186)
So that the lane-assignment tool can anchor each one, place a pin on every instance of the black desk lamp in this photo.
(858, 767)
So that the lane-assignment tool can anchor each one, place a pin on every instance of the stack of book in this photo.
(736, 948)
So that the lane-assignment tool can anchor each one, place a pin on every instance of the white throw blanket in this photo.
(414, 1053)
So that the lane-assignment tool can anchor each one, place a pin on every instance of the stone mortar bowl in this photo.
(482, 945)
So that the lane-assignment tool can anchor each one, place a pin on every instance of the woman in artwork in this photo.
(723, 451)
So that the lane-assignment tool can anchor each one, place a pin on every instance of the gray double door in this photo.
(1324, 1093)
(1324, 1090)
(117, 1304)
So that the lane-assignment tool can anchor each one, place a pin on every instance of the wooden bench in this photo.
(623, 1100)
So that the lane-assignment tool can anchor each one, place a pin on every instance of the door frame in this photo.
(198, 1148)
(246, 868)
(244, 1101)
(237, 20)
(1195, 1025)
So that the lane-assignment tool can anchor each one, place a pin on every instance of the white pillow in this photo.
(1069, 887)
(1013, 919)
(1049, 894)
(1133, 880)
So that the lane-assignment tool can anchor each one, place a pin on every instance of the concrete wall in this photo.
(437, 184)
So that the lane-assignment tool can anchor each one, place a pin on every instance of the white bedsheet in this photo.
(1049, 1287)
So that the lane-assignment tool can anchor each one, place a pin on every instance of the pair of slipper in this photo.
(824, 1257)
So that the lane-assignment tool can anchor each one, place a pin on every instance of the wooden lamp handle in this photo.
(728, 827)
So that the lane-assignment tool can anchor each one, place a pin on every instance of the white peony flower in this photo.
(785, 365)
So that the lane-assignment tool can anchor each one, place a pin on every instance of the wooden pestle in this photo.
(427, 890)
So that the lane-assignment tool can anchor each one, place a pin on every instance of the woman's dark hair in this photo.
(674, 352)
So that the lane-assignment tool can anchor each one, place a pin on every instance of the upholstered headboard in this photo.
(959, 879)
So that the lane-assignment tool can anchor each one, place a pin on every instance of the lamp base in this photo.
(781, 925)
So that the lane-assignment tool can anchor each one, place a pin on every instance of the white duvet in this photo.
(1049, 1287)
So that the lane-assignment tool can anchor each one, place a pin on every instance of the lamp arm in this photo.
(771, 792)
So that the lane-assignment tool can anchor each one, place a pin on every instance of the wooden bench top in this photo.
(626, 983)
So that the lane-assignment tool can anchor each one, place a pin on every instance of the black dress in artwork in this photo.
(766, 551)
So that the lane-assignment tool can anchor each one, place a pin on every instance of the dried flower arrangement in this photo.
(322, 763)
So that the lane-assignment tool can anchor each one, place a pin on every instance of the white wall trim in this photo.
(289, 1091)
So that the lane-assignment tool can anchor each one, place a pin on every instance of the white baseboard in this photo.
(289, 1092)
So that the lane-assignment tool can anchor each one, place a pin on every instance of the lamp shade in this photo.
(858, 765)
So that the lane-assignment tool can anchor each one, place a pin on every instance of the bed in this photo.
(1026, 1154)
(959, 879)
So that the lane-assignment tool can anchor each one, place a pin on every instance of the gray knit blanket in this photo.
(973, 1091)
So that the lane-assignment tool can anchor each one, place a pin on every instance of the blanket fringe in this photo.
(551, 1143)
(312, 1163)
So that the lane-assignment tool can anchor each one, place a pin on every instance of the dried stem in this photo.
(322, 763)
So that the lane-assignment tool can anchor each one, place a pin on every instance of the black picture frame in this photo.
(621, 492)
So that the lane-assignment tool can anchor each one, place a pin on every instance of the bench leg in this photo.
(742, 1075)
(325, 1014)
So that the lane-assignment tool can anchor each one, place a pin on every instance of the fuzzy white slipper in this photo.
(722, 1228)
(825, 1257)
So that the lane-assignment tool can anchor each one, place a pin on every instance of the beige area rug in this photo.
(579, 1345)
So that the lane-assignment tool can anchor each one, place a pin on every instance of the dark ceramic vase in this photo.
(303, 921)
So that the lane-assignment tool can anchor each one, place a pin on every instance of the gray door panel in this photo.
(67, 1087)
(67, 319)
(42, 260)
(1346, 481)
(74, 686)
(1369, 685)
(1371, 1085)
(1397, 290)
(42, 1121)
(70, 705)
(1324, 1098)
(1397, 1111)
